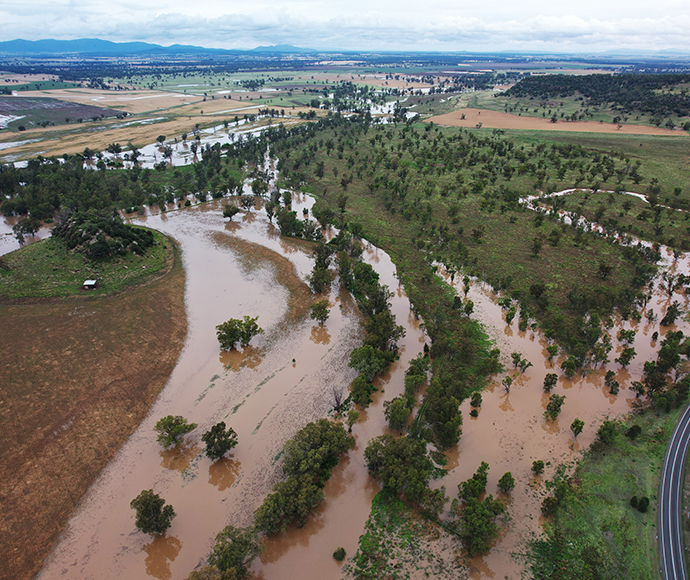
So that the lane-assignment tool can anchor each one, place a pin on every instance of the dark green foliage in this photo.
(476, 400)
(397, 412)
(607, 432)
(153, 516)
(478, 524)
(319, 311)
(634, 501)
(507, 482)
(236, 331)
(476, 485)
(219, 440)
(288, 223)
(230, 210)
(576, 427)
(646, 93)
(172, 428)
(308, 459)
(400, 464)
(550, 381)
(368, 361)
(99, 236)
(361, 390)
(339, 554)
(235, 548)
(633, 432)
(643, 505)
(553, 408)
(538, 467)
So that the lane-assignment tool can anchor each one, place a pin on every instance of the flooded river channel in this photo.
(266, 392)
(285, 379)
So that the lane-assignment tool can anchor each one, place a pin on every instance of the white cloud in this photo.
(359, 25)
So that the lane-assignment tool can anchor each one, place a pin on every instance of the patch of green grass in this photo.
(398, 543)
(46, 269)
(596, 533)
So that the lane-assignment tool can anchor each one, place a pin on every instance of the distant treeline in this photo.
(645, 93)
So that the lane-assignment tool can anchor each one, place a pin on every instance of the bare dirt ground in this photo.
(7, 78)
(130, 101)
(497, 120)
(76, 378)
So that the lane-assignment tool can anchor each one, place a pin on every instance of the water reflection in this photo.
(159, 554)
(179, 457)
(249, 357)
(223, 472)
(320, 335)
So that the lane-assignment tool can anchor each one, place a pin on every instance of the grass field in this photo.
(596, 533)
(76, 378)
(47, 270)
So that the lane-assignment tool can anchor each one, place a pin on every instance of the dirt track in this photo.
(497, 120)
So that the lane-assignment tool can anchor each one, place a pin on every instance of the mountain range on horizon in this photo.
(96, 46)
(99, 47)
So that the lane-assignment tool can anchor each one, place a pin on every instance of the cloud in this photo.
(363, 27)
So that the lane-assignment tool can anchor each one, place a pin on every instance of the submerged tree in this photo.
(219, 440)
(153, 516)
(171, 428)
(234, 330)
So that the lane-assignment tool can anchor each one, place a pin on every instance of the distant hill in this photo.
(95, 46)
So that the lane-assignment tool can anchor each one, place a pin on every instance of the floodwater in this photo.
(511, 432)
(271, 389)
(266, 393)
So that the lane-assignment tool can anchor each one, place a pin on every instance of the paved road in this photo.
(670, 517)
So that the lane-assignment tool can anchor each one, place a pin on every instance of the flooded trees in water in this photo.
(172, 428)
(237, 331)
(153, 516)
(219, 440)
(308, 459)
(576, 427)
(319, 311)
(477, 522)
(553, 408)
(230, 210)
(400, 464)
(233, 551)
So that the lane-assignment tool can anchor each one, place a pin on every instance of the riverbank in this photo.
(77, 378)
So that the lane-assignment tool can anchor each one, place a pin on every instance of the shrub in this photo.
(339, 554)
(643, 504)
(538, 467)
(634, 501)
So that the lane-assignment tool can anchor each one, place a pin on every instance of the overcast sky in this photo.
(531, 25)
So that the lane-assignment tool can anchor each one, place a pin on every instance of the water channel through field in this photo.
(271, 389)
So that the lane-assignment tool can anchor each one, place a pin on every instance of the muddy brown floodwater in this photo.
(234, 269)
(244, 267)
(511, 432)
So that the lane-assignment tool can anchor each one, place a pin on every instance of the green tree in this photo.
(475, 485)
(607, 432)
(367, 361)
(234, 549)
(553, 408)
(538, 467)
(507, 482)
(576, 427)
(171, 428)
(230, 210)
(550, 381)
(152, 515)
(478, 522)
(319, 280)
(400, 464)
(219, 440)
(234, 330)
(397, 412)
(319, 311)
